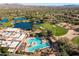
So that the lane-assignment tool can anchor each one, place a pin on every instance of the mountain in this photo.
(12, 6)
(72, 5)
(17, 5)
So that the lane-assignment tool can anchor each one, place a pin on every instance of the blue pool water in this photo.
(23, 25)
(36, 40)
(39, 44)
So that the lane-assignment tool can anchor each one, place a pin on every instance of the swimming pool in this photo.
(36, 40)
(39, 44)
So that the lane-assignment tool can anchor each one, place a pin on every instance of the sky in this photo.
(42, 2)
(51, 4)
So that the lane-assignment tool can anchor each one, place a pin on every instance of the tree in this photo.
(4, 51)
(66, 47)
(49, 33)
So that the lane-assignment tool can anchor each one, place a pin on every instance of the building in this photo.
(17, 39)
(12, 38)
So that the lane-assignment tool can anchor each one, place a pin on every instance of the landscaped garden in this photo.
(56, 30)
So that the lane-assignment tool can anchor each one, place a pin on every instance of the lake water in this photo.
(23, 25)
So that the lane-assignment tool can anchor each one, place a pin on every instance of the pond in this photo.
(4, 19)
(23, 25)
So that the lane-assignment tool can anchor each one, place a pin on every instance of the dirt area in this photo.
(71, 34)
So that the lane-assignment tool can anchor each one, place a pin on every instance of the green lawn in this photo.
(56, 30)
(7, 24)
(76, 40)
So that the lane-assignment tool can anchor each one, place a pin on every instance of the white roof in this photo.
(12, 29)
(3, 45)
(8, 34)
(3, 42)
(9, 38)
(11, 35)
(4, 33)
(17, 34)
(14, 44)
(21, 37)
(6, 43)
(1, 31)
